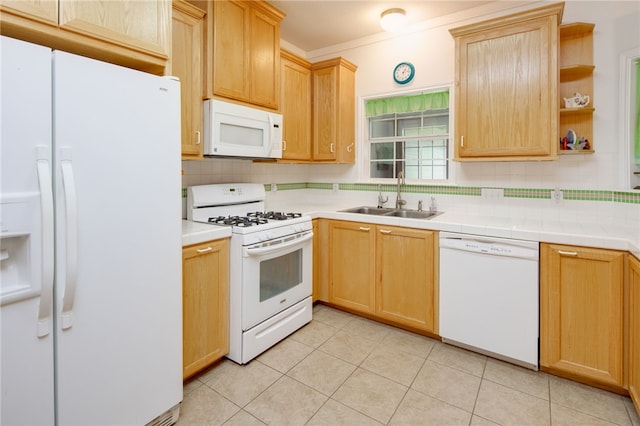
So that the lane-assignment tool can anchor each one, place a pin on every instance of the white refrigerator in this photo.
(90, 247)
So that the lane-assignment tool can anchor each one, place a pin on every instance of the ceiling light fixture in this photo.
(393, 19)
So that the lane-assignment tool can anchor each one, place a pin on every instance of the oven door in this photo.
(276, 274)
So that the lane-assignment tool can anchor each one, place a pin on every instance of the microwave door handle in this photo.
(277, 247)
(271, 134)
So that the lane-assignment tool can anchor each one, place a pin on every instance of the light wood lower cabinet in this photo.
(582, 314)
(385, 271)
(352, 247)
(406, 276)
(634, 331)
(205, 304)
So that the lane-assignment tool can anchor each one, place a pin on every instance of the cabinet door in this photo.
(352, 265)
(141, 25)
(334, 110)
(406, 276)
(205, 304)
(581, 313)
(506, 81)
(264, 66)
(42, 11)
(231, 20)
(325, 120)
(186, 64)
(296, 108)
(134, 34)
(634, 331)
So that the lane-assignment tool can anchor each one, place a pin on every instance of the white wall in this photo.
(431, 49)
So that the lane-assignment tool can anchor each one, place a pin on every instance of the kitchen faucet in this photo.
(381, 199)
(399, 201)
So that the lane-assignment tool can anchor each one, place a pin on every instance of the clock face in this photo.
(403, 73)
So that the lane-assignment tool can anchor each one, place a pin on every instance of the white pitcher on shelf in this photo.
(577, 101)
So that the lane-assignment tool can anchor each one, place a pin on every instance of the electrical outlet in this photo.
(336, 187)
(274, 187)
(493, 194)
(557, 195)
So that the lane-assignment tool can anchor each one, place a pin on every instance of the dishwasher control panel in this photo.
(489, 245)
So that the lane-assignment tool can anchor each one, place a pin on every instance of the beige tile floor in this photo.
(341, 369)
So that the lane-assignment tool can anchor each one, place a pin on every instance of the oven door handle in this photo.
(278, 247)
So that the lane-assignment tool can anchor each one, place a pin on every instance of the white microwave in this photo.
(232, 130)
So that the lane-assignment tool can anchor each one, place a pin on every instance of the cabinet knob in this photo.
(332, 148)
(198, 137)
(350, 147)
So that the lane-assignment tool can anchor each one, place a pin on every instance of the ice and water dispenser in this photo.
(20, 247)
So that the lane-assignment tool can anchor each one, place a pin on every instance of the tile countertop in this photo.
(196, 232)
(620, 236)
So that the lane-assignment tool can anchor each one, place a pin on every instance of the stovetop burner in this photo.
(274, 215)
(252, 218)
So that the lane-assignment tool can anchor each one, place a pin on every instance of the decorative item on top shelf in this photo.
(577, 101)
(572, 142)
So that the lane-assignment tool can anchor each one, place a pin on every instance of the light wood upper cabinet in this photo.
(334, 111)
(205, 304)
(634, 331)
(186, 63)
(386, 272)
(242, 51)
(506, 77)
(582, 313)
(135, 34)
(295, 107)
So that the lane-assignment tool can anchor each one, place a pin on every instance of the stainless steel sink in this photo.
(412, 214)
(385, 211)
(369, 210)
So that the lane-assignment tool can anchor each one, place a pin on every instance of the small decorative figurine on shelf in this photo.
(577, 101)
(572, 142)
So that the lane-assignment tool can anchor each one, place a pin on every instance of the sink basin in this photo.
(369, 210)
(387, 211)
(412, 214)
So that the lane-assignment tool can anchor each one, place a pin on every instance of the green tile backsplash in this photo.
(473, 191)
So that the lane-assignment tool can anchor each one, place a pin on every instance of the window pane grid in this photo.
(414, 142)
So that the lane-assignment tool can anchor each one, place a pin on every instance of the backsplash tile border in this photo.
(630, 197)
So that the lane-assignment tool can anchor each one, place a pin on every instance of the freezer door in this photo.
(118, 247)
(26, 238)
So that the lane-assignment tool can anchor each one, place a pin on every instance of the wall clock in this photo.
(404, 72)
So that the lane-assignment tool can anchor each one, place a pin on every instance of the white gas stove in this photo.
(270, 260)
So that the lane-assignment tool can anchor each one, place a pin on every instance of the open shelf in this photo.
(576, 76)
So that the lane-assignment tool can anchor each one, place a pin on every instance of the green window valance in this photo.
(411, 103)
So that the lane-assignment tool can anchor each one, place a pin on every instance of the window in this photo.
(410, 134)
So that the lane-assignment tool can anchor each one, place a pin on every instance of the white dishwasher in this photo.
(489, 298)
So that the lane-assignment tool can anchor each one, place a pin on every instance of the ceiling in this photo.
(316, 24)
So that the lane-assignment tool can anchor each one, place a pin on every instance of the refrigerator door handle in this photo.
(46, 205)
(71, 224)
